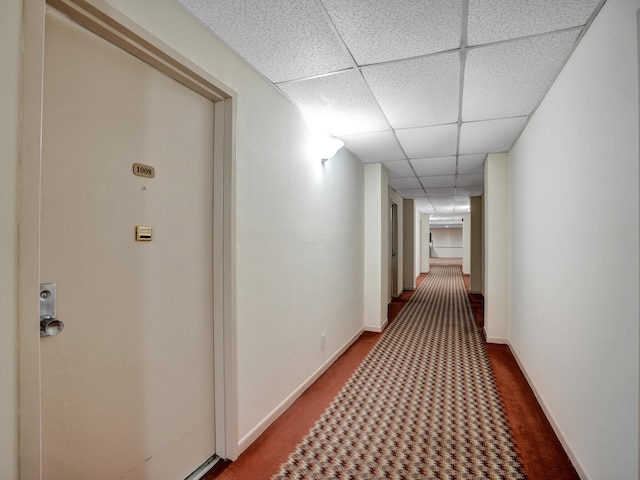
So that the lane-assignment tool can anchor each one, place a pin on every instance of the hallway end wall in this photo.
(446, 242)
(574, 301)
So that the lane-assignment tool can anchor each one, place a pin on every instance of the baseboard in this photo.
(498, 340)
(556, 428)
(379, 329)
(259, 429)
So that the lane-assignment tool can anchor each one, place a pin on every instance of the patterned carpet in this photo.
(422, 405)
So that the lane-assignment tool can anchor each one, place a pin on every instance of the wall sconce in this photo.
(329, 147)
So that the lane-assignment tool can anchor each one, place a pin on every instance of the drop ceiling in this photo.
(426, 87)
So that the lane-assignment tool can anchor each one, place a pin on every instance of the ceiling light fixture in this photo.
(329, 147)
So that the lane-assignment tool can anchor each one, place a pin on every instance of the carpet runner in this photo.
(422, 405)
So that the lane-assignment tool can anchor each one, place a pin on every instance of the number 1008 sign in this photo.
(144, 170)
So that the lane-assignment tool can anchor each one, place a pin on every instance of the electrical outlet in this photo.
(323, 337)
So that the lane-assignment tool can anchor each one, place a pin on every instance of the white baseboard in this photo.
(498, 340)
(379, 329)
(259, 429)
(556, 428)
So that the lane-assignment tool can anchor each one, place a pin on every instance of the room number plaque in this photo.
(144, 170)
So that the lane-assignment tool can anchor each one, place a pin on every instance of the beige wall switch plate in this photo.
(144, 234)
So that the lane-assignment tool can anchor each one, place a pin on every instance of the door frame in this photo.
(113, 26)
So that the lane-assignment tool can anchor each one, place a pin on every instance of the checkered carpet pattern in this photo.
(422, 405)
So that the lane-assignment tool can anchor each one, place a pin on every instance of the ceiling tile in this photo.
(438, 181)
(434, 166)
(341, 103)
(404, 82)
(274, 36)
(490, 136)
(444, 208)
(470, 180)
(374, 147)
(404, 183)
(423, 205)
(439, 192)
(510, 79)
(378, 30)
(399, 169)
(470, 191)
(443, 220)
(495, 20)
(444, 201)
(429, 141)
(412, 193)
(468, 164)
(421, 91)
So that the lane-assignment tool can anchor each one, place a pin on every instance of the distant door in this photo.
(128, 385)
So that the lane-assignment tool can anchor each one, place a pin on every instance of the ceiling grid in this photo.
(426, 87)
(463, 59)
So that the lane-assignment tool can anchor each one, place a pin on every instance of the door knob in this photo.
(50, 326)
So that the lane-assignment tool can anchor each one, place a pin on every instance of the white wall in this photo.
(10, 91)
(447, 242)
(574, 248)
(376, 246)
(409, 245)
(418, 242)
(425, 229)
(496, 247)
(477, 246)
(394, 197)
(299, 228)
(466, 244)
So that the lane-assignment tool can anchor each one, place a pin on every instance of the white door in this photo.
(128, 385)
